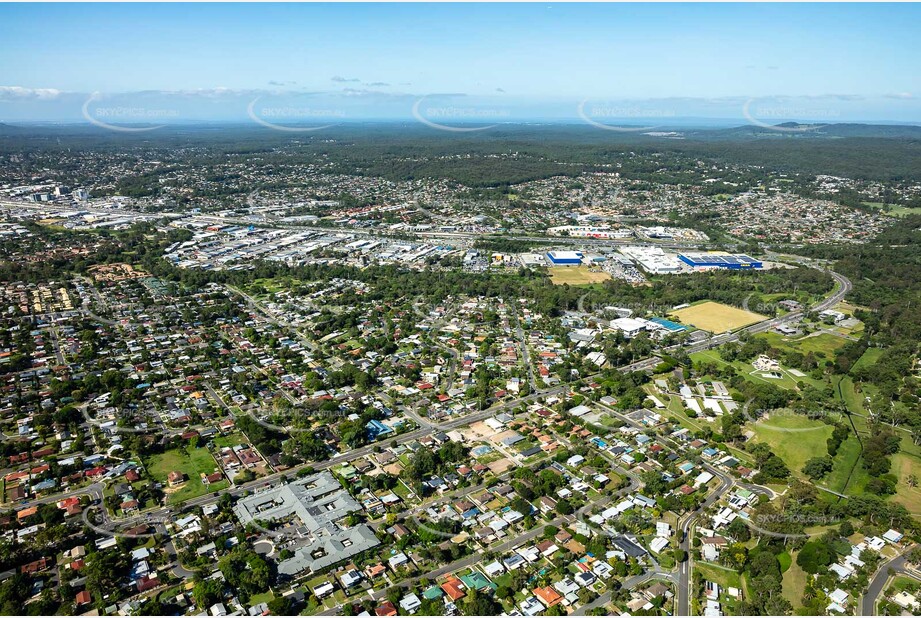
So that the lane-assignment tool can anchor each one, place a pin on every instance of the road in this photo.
(871, 597)
(686, 524)
(628, 584)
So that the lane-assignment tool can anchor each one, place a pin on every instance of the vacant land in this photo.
(193, 462)
(723, 576)
(793, 438)
(716, 317)
(745, 369)
(576, 275)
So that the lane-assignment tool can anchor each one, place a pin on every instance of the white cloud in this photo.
(8, 93)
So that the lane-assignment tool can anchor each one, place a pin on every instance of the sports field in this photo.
(716, 317)
(576, 275)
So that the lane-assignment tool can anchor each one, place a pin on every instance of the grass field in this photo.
(821, 344)
(903, 466)
(576, 275)
(895, 210)
(785, 561)
(794, 583)
(191, 462)
(869, 357)
(716, 317)
(848, 476)
(795, 439)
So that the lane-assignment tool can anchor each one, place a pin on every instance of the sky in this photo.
(460, 64)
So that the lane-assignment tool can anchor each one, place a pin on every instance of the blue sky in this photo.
(840, 61)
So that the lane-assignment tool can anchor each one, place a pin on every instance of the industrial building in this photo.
(719, 260)
(565, 258)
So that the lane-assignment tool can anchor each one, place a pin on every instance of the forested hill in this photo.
(886, 274)
(513, 153)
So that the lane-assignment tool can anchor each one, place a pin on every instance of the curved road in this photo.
(870, 598)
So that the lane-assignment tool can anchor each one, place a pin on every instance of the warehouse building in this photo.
(564, 258)
(718, 260)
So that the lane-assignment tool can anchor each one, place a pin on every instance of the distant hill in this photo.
(401, 150)
(9, 129)
(815, 131)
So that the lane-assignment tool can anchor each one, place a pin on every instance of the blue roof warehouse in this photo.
(565, 258)
(717, 260)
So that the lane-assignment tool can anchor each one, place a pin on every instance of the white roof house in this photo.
(839, 596)
(893, 536)
(410, 603)
(658, 544)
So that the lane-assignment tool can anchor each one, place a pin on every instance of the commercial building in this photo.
(630, 327)
(565, 258)
(653, 259)
(589, 231)
(719, 260)
(318, 502)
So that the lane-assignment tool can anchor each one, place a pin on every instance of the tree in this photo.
(738, 530)
(817, 467)
(563, 507)
(207, 592)
(480, 604)
(245, 570)
(106, 571)
(280, 606)
(814, 556)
